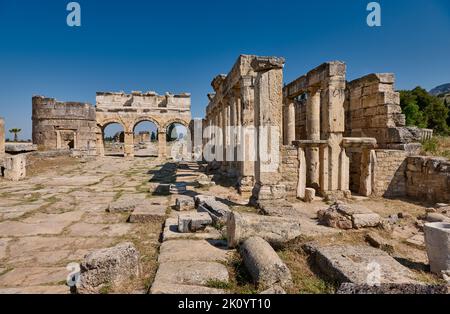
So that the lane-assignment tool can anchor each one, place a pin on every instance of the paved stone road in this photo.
(55, 218)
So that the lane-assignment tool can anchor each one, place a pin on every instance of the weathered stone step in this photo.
(192, 250)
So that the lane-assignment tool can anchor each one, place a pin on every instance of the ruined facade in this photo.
(80, 126)
(64, 125)
(128, 110)
(336, 136)
(2, 143)
(248, 98)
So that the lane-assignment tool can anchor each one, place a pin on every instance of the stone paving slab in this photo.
(33, 276)
(192, 250)
(60, 289)
(357, 264)
(191, 273)
(83, 229)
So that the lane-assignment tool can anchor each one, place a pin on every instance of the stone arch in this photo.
(145, 119)
(100, 129)
(176, 120)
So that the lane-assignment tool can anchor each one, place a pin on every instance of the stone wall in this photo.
(2, 142)
(64, 125)
(389, 173)
(289, 169)
(372, 109)
(128, 110)
(428, 178)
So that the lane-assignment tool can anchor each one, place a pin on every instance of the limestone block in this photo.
(218, 211)
(184, 203)
(264, 264)
(193, 222)
(200, 199)
(145, 212)
(276, 230)
(366, 220)
(310, 194)
(437, 240)
(106, 267)
(15, 167)
(177, 188)
(358, 264)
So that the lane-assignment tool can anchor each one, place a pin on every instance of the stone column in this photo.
(313, 134)
(344, 171)
(100, 144)
(2, 141)
(268, 115)
(324, 171)
(129, 144)
(365, 186)
(58, 139)
(162, 144)
(289, 122)
(301, 186)
(247, 116)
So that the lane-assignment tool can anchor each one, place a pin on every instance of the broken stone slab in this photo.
(436, 217)
(159, 188)
(184, 203)
(219, 211)
(204, 180)
(193, 222)
(108, 267)
(169, 288)
(146, 212)
(191, 273)
(437, 239)
(360, 265)
(200, 199)
(193, 250)
(279, 208)
(345, 216)
(124, 205)
(275, 230)
(15, 148)
(417, 240)
(391, 288)
(264, 264)
(378, 242)
(171, 232)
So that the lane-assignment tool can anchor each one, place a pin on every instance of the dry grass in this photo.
(437, 146)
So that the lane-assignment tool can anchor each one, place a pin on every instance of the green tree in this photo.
(153, 136)
(16, 133)
(172, 134)
(424, 110)
(414, 117)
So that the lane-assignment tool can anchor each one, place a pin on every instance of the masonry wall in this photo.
(389, 173)
(372, 109)
(2, 142)
(289, 169)
(428, 178)
(63, 125)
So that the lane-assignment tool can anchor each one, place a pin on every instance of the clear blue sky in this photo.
(179, 46)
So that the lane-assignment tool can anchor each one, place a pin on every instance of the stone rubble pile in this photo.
(344, 216)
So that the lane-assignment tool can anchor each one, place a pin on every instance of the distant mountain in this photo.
(441, 90)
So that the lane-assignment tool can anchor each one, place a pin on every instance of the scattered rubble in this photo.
(343, 216)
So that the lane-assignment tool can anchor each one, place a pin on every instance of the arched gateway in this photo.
(80, 127)
(129, 110)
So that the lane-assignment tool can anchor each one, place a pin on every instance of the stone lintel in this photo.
(310, 143)
(260, 64)
(363, 142)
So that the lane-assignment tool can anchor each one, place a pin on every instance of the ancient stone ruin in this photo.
(309, 186)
